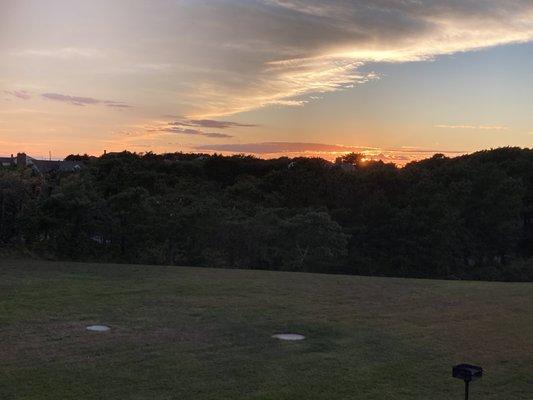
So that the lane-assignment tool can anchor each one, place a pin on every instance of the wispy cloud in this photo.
(191, 128)
(289, 103)
(83, 101)
(20, 94)
(195, 132)
(74, 100)
(195, 127)
(280, 84)
(285, 51)
(116, 104)
(209, 123)
(475, 127)
(61, 53)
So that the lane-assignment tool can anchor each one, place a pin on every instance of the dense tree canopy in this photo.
(464, 217)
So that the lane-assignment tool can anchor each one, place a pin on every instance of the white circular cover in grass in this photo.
(97, 328)
(289, 336)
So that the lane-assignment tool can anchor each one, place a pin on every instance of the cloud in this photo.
(20, 94)
(285, 51)
(75, 100)
(195, 132)
(289, 103)
(83, 101)
(224, 57)
(475, 127)
(191, 127)
(61, 53)
(209, 123)
(116, 104)
(398, 156)
(141, 68)
(281, 147)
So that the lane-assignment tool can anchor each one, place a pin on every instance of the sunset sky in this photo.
(394, 79)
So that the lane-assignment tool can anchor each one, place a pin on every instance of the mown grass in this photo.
(192, 333)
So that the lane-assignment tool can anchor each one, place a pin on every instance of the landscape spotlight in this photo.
(467, 373)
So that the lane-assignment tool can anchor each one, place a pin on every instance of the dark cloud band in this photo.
(83, 101)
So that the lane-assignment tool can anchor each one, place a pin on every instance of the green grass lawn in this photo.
(192, 333)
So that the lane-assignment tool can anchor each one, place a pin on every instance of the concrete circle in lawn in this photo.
(98, 328)
(288, 336)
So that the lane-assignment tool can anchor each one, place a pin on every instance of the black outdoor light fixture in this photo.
(467, 373)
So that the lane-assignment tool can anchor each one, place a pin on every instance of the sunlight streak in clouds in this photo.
(399, 156)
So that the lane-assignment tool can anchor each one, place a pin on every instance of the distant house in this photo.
(41, 167)
(7, 161)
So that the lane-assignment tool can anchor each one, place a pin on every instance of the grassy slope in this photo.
(189, 333)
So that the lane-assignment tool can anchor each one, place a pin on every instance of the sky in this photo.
(396, 80)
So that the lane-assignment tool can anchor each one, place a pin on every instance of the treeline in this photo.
(469, 217)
